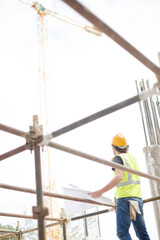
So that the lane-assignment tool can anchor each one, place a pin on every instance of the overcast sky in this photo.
(85, 74)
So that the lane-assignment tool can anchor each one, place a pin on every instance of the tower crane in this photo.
(42, 12)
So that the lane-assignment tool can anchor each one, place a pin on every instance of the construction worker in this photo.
(129, 204)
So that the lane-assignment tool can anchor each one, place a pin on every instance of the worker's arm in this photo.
(114, 182)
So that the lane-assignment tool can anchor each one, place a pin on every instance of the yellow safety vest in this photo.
(130, 185)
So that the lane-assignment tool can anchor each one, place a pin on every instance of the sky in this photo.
(85, 74)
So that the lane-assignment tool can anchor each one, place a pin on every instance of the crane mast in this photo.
(42, 34)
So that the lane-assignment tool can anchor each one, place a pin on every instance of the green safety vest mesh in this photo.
(130, 185)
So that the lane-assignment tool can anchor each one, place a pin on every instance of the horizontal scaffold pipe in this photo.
(109, 210)
(151, 199)
(7, 231)
(103, 112)
(102, 161)
(92, 214)
(54, 195)
(6, 236)
(93, 117)
(97, 22)
(25, 216)
(13, 152)
(13, 131)
(36, 229)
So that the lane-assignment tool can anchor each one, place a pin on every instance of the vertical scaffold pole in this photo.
(38, 211)
(39, 192)
(63, 217)
(19, 232)
(64, 231)
(152, 150)
(142, 115)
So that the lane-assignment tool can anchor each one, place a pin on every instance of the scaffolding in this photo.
(35, 139)
(150, 114)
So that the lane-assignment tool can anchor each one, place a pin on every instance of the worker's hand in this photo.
(96, 194)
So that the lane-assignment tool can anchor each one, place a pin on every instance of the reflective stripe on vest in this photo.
(130, 180)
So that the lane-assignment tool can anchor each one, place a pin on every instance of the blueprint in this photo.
(73, 207)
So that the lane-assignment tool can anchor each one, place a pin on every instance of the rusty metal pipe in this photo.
(7, 235)
(39, 193)
(91, 214)
(35, 229)
(13, 152)
(26, 216)
(64, 231)
(93, 117)
(151, 199)
(7, 231)
(13, 131)
(55, 195)
(102, 161)
(97, 22)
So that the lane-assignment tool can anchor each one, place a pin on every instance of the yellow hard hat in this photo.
(119, 141)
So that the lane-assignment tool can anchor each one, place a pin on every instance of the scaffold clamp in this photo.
(149, 93)
(39, 211)
(63, 216)
(35, 134)
(44, 142)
